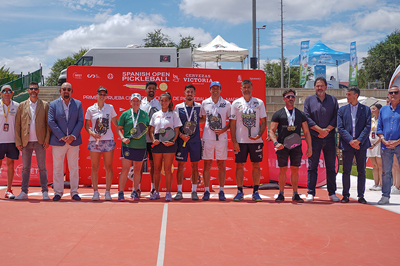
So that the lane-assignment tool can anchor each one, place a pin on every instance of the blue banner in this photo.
(320, 71)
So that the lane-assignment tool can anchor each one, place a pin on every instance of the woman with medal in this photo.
(132, 129)
(101, 140)
(164, 125)
(374, 152)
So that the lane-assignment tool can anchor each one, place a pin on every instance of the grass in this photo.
(368, 171)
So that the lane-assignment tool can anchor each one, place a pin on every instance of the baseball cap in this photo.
(136, 95)
(6, 87)
(215, 83)
(102, 89)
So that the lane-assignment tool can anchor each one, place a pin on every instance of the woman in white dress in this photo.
(374, 152)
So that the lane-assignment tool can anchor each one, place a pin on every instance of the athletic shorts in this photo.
(194, 148)
(254, 149)
(149, 152)
(219, 148)
(295, 156)
(136, 155)
(103, 146)
(9, 150)
(161, 148)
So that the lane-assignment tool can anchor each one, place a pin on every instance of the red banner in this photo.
(121, 82)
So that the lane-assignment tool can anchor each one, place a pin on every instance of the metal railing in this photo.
(21, 84)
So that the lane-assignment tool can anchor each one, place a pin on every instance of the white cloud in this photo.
(22, 64)
(119, 31)
(381, 19)
(85, 4)
(239, 11)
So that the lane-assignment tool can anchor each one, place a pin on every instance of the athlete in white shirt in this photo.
(8, 112)
(248, 123)
(215, 111)
(101, 141)
(150, 105)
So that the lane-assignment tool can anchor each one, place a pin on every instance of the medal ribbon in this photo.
(187, 115)
(4, 110)
(133, 118)
(290, 118)
(215, 106)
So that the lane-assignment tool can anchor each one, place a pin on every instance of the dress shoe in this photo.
(345, 200)
(56, 197)
(362, 200)
(76, 197)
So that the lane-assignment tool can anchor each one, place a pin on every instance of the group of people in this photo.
(156, 131)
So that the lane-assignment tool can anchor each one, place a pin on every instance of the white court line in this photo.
(161, 246)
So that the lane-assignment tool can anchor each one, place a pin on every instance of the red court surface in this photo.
(36, 232)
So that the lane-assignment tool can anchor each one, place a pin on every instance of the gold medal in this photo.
(100, 125)
(133, 131)
(161, 131)
(214, 118)
(188, 123)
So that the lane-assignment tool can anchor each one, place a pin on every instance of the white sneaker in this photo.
(334, 198)
(395, 190)
(107, 195)
(309, 197)
(21, 196)
(375, 188)
(46, 196)
(96, 196)
(383, 201)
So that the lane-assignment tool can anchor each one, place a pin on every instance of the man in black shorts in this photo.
(289, 121)
(248, 123)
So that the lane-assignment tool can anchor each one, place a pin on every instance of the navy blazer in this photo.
(59, 125)
(345, 126)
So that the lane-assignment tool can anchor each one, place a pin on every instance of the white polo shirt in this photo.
(247, 113)
(150, 108)
(9, 136)
(221, 109)
(164, 120)
(103, 116)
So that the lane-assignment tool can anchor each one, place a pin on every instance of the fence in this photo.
(21, 84)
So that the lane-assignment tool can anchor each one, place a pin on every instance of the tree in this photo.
(62, 64)
(273, 75)
(382, 60)
(159, 39)
(6, 75)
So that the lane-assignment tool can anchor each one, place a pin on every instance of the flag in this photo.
(353, 65)
(305, 45)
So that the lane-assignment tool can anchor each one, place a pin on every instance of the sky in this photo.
(38, 32)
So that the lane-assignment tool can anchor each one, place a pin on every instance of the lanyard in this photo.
(215, 106)
(191, 113)
(8, 110)
(133, 118)
(291, 117)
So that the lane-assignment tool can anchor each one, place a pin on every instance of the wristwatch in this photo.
(275, 143)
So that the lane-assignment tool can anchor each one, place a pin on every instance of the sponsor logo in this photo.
(77, 75)
(146, 76)
(175, 78)
(163, 86)
(219, 46)
(110, 76)
(239, 79)
(93, 76)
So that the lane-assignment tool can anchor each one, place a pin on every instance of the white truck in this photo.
(134, 57)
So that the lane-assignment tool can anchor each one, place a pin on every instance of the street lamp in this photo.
(258, 32)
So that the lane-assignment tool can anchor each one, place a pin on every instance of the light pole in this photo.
(258, 32)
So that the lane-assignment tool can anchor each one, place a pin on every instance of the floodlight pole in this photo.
(253, 59)
(282, 76)
(258, 32)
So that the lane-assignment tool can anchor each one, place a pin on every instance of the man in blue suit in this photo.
(66, 122)
(354, 126)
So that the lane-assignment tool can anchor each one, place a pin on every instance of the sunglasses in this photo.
(102, 94)
(393, 92)
(290, 97)
(66, 89)
(6, 91)
(34, 89)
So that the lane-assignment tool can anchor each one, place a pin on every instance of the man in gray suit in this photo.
(66, 122)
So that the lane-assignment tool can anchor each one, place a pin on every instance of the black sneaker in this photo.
(76, 197)
(280, 198)
(56, 197)
(296, 198)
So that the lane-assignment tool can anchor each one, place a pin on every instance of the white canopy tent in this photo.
(220, 50)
